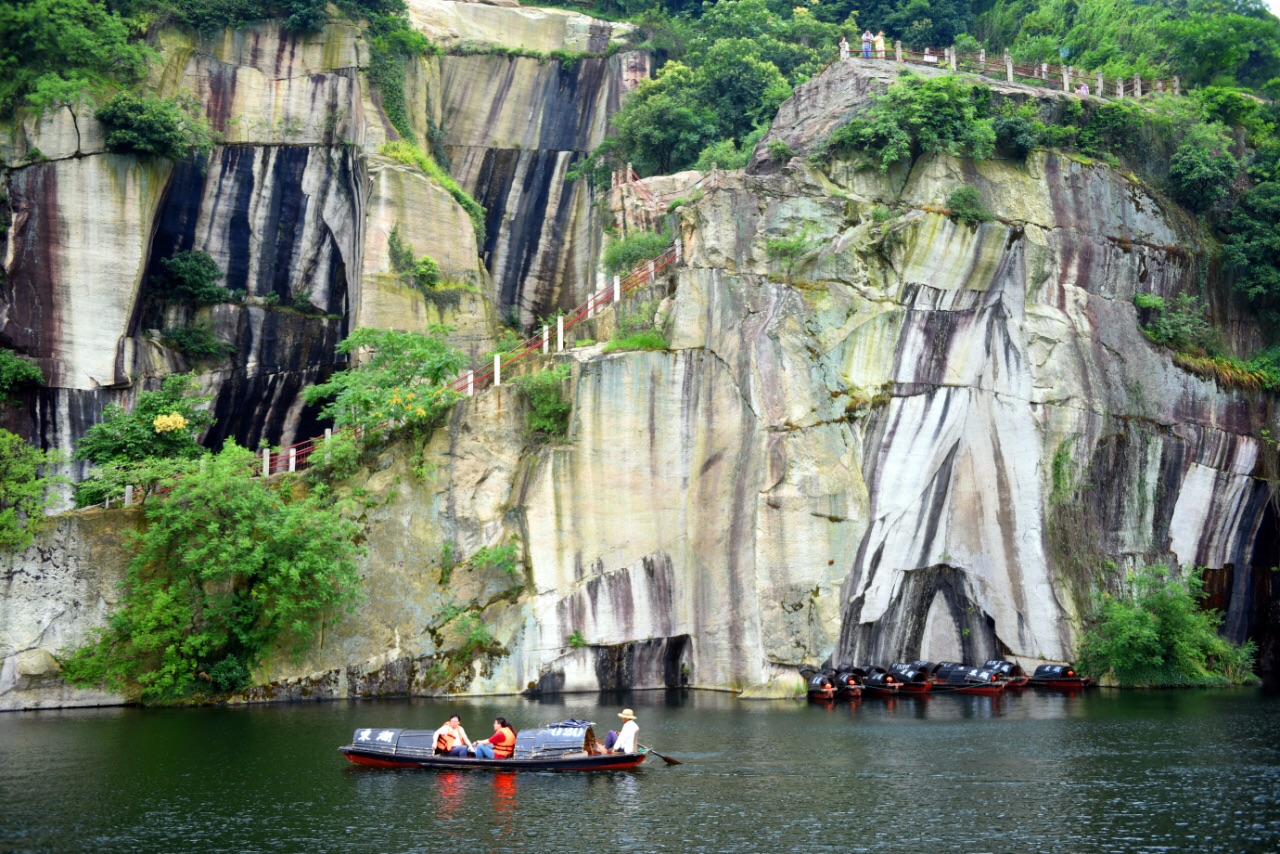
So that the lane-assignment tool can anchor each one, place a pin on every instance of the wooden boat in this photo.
(1012, 674)
(848, 685)
(964, 679)
(876, 681)
(911, 679)
(567, 746)
(1062, 677)
(819, 685)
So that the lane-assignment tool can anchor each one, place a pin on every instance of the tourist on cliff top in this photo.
(625, 741)
(451, 739)
(844, 49)
(878, 42)
(1083, 90)
(500, 745)
(866, 44)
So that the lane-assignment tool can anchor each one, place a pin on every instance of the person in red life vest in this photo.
(625, 741)
(451, 739)
(500, 745)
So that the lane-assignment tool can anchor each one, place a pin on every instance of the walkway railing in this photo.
(1064, 78)
(297, 457)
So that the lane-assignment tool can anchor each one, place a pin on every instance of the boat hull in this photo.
(603, 762)
(1074, 683)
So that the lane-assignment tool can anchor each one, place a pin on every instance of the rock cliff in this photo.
(921, 438)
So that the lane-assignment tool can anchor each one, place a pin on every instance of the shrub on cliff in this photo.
(166, 422)
(190, 277)
(547, 416)
(16, 373)
(26, 490)
(966, 206)
(164, 127)
(918, 114)
(227, 567)
(398, 383)
(1202, 169)
(1156, 635)
(625, 253)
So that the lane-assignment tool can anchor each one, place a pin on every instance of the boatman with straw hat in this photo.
(626, 741)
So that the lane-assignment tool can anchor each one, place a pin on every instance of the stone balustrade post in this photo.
(617, 289)
(471, 383)
(651, 271)
(1044, 71)
(1176, 88)
(951, 57)
(128, 496)
(897, 49)
(1066, 78)
(266, 462)
(630, 172)
(497, 370)
(1008, 67)
(293, 459)
(982, 58)
(546, 339)
(1102, 88)
(1137, 85)
(560, 334)
(679, 251)
(714, 176)
(1119, 87)
(1159, 87)
(328, 434)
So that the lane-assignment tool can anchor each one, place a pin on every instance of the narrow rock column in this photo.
(897, 49)
(497, 370)
(560, 334)
(1137, 85)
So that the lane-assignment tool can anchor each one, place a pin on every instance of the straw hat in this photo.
(627, 714)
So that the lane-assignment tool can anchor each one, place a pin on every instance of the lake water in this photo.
(1098, 771)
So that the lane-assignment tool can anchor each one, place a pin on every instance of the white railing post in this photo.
(293, 459)
(630, 172)
(1066, 78)
(1159, 87)
(266, 462)
(897, 49)
(982, 57)
(617, 289)
(1008, 67)
(1102, 88)
(497, 370)
(1119, 87)
(328, 434)
(471, 383)
(651, 271)
(952, 58)
(546, 339)
(560, 334)
(128, 496)
(679, 251)
(1176, 89)
(1137, 85)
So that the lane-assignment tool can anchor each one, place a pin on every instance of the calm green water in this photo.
(1102, 771)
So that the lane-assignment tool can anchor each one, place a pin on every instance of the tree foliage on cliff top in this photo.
(227, 567)
(26, 490)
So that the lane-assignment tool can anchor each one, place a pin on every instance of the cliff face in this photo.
(920, 439)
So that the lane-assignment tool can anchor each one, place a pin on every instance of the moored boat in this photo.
(964, 679)
(1062, 677)
(876, 680)
(848, 685)
(1010, 673)
(818, 684)
(912, 679)
(567, 746)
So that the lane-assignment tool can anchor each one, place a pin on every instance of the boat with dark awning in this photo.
(1063, 677)
(566, 746)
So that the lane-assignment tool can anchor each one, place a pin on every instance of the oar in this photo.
(666, 759)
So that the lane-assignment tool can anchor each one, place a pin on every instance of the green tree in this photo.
(164, 127)
(190, 277)
(163, 423)
(1156, 635)
(663, 126)
(1202, 169)
(227, 567)
(26, 490)
(400, 380)
(16, 373)
(742, 89)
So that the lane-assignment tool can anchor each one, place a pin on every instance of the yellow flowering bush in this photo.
(169, 423)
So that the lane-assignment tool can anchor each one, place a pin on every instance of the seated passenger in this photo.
(500, 745)
(451, 739)
(625, 741)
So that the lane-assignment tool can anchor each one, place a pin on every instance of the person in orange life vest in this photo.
(625, 741)
(451, 738)
(500, 745)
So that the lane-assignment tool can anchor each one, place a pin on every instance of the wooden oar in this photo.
(666, 759)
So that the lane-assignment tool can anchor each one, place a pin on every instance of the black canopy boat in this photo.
(911, 679)
(1060, 676)
(876, 680)
(819, 684)
(1012, 674)
(567, 746)
(848, 685)
(965, 679)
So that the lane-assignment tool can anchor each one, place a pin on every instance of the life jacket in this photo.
(508, 746)
(446, 742)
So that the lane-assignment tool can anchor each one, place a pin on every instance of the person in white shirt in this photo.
(626, 742)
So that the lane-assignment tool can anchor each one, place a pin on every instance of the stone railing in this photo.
(1059, 77)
